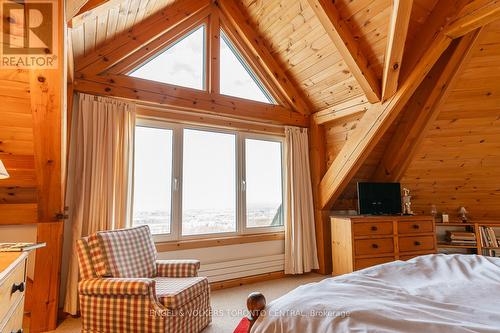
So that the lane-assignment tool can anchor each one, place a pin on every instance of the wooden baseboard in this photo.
(246, 280)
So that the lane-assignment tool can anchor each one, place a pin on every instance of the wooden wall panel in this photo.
(459, 161)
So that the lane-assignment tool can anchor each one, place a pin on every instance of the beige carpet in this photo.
(228, 304)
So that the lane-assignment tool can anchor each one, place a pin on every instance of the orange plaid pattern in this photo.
(175, 300)
(177, 268)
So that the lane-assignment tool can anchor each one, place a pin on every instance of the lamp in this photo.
(3, 172)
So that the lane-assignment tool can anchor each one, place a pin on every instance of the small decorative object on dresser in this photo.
(363, 241)
(445, 218)
(407, 202)
(463, 214)
(12, 288)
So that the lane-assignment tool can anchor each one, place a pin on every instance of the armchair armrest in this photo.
(177, 268)
(116, 286)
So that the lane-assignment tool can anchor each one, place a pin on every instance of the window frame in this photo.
(263, 137)
(240, 162)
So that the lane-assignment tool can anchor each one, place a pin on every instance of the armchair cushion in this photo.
(177, 268)
(115, 286)
(124, 253)
(175, 292)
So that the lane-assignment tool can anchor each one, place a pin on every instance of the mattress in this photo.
(432, 293)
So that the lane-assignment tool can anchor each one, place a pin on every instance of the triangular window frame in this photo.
(211, 23)
(171, 44)
(224, 37)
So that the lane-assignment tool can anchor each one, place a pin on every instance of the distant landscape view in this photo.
(205, 221)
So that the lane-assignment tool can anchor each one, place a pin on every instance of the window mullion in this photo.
(177, 191)
(241, 184)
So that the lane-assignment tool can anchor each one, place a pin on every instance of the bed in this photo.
(432, 293)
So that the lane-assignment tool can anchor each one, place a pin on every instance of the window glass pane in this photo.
(236, 78)
(264, 192)
(153, 178)
(181, 64)
(208, 185)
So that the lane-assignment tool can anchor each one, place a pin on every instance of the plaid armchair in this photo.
(124, 288)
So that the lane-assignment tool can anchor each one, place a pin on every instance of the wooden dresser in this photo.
(12, 288)
(363, 241)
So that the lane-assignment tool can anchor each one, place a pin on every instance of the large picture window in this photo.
(192, 182)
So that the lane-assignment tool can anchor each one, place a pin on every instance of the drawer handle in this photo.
(18, 331)
(17, 287)
(416, 226)
(417, 243)
(375, 246)
(374, 228)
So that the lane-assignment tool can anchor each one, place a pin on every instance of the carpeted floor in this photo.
(228, 304)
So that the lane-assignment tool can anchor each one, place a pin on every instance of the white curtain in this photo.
(300, 241)
(99, 174)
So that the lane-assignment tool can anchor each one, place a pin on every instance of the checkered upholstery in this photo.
(175, 292)
(174, 300)
(177, 268)
(85, 265)
(124, 253)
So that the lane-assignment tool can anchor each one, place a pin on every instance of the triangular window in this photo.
(237, 78)
(181, 64)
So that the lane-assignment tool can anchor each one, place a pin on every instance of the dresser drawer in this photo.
(372, 228)
(413, 227)
(368, 262)
(416, 243)
(373, 246)
(15, 322)
(7, 298)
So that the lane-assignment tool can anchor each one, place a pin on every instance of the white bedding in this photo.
(433, 293)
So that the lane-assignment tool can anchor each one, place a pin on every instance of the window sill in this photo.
(218, 241)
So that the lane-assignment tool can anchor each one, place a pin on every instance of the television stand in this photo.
(361, 241)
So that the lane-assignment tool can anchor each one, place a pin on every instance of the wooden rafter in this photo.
(441, 15)
(373, 125)
(476, 14)
(260, 54)
(423, 109)
(187, 99)
(396, 39)
(335, 112)
(139, 35)
(348, 47)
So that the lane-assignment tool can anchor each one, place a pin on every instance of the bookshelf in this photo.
(444, 246)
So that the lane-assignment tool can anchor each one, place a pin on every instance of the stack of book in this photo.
(488, 237)
(462, 238)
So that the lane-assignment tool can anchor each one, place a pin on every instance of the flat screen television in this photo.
(379, 198)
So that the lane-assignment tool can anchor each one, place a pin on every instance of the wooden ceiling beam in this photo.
(443, 12)
(396, 40)
(348, 47)
(139, 35)
(476, 14)
(91, 5)
(336, 112)
(91, 10)
(423, 109)
(373, 126)
(246, 32)
(187, 99)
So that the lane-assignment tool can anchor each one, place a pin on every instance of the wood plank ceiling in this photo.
(293, 33)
